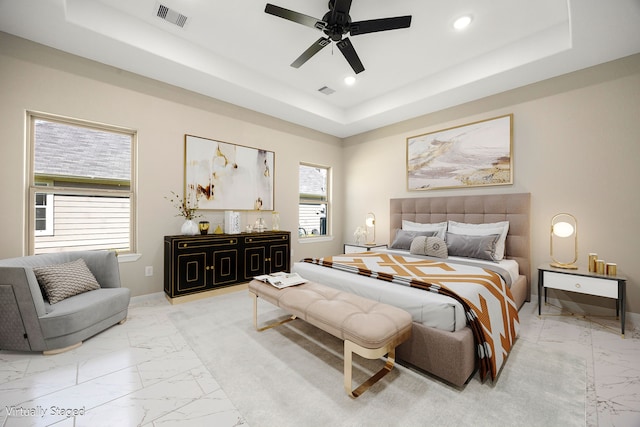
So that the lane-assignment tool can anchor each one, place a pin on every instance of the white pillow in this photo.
(501, 228)
(440, 227)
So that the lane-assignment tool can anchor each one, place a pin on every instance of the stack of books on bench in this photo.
(281, 279)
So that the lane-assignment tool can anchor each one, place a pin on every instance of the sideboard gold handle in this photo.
(578, 285)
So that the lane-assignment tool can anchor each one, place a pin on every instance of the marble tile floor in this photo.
(143, 373)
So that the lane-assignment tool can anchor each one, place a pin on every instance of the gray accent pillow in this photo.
(480, 247)
(61, 281)
(431, 246)
(404, 238)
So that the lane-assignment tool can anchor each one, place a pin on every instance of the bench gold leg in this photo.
(349, 349)
(255, 317)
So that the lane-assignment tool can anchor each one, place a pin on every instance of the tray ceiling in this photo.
(235, 52)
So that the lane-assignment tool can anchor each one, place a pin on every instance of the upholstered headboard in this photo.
(474, 209)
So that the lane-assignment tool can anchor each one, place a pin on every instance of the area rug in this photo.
(292, 376)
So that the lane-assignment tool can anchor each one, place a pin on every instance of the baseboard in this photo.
(208, 294)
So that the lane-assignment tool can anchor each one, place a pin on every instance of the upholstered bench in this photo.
(368, 328)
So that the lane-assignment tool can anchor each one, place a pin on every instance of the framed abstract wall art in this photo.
(476, 154)
(224, 176)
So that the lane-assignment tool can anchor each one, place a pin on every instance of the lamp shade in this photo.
(563, 229)
(563, 226)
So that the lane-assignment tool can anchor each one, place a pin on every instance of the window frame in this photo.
(309, 199)
(50, 189)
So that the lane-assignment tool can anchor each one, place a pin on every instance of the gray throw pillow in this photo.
(61, 281)
(480, 247)
(432, 246)
(404, 238)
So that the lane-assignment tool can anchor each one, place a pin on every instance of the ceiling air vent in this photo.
(170, 15)
(326, 90)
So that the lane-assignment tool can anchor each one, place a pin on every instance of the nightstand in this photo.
(350, 248)
(584, 282)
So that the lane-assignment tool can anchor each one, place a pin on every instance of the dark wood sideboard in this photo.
(194, 264)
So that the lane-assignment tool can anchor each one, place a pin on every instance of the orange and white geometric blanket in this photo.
(490, 309)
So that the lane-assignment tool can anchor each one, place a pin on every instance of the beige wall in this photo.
(576, 149)
(36, 78)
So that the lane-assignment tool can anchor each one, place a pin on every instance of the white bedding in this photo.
(433, 310)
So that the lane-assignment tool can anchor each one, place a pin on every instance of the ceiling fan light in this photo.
(462, 22)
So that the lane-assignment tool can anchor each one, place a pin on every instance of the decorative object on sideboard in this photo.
(187, 208)
(204, 227)
(189, 228)
(370, 224)
(275, 221)
(563, 226)
(231, 222)
(259, 225)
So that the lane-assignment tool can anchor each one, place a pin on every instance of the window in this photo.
(313, 213)
(44, 214)
(81, 186)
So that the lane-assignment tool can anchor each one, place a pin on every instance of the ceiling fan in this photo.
(335, 24)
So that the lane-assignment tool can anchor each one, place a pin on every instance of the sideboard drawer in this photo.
(585, 285)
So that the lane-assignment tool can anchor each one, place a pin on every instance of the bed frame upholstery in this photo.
(451, 355)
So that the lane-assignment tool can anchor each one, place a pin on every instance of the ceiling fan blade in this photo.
(375, 25)
(297, 17)
(313, 49)
(350, 55)
(341, 6)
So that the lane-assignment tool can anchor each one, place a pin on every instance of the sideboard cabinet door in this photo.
(265, 253)
(199, 263)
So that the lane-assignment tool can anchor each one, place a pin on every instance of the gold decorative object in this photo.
(599, 266)
(204, 227)
(611, 269)
(592, 262)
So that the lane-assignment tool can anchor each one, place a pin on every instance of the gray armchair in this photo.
(29, 323)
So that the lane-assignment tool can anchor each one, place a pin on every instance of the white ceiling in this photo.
(233, 51)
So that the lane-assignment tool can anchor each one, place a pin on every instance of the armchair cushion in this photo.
(61, 281)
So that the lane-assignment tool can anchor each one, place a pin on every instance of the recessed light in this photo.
(462, 22)
(349, 80)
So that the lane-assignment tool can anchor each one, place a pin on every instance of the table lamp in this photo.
(564, 225)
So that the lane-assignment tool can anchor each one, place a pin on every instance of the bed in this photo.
(442, 346)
